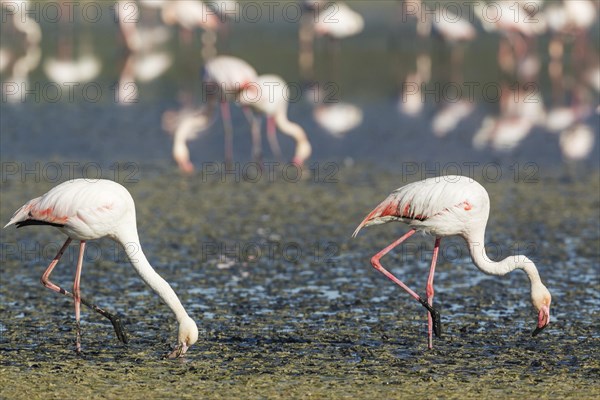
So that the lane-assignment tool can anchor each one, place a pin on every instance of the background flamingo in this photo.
(269, 95)
(446, 206)
(84, 210)
(223, 79)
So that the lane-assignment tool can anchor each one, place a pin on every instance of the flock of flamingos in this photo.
(441, 206)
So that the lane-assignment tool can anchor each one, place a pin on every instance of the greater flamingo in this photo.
(446, 206)
(268, 95)
(224, 77)
(91, 209)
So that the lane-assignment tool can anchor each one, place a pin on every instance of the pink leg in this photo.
(46, 276)
(430, 290)
(272, 136)
(226, 113)
(77, 293)
(255, 131)
(375, 262)
(120, 331)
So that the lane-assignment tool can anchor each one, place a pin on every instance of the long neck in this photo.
(503, 267)
(295, 131)
(138, 260)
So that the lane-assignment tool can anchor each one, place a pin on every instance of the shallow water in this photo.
(317, 321)
(286, 301)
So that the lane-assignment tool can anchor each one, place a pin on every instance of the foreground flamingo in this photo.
(90, 209)
(446, 206)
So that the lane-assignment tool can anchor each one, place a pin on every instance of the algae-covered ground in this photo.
(287, 303)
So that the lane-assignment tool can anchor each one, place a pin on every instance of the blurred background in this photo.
(387, 92)
(383, 81)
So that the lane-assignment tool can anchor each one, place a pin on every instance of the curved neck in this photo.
(138, 260)
(295, 131)
(503, 267)
(290, 128)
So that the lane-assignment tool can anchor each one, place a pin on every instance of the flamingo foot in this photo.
(115, 321)
(435, 316)
(119, 329)
(178, 352)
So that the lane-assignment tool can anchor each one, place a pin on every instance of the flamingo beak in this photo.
(298, 162)
(185, 166)
(543, 320)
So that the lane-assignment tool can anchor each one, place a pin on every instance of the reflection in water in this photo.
(541, 57)
(520, 110)
(577, 142)
(325, 18)
(339, 118)
(448, 118)
(30, 42)
(521, 105)
(84, 69)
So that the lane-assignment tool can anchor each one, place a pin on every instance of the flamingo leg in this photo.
(254, 122)
(430, 290)
(116, 322)
(77, 294)
(272, 136)
(435, 315)
(227, 126)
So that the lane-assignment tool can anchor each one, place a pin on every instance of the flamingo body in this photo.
(339, 21)
(230, 74)
(224, 77)
(441, 206)
(446, 206)
(269, 95)
(91, 209)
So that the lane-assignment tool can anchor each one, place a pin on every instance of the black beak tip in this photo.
(538, 330)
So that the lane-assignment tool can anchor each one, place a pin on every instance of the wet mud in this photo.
(288, 305)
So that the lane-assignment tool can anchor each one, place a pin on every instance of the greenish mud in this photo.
(288, 305)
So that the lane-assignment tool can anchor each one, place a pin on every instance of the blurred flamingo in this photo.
(268, 95)
(224, 77)
(334, 19)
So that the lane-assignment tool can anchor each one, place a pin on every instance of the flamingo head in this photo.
(188, 335)
(185, 166)
(541, 298)
(181, 154)
(303, 152)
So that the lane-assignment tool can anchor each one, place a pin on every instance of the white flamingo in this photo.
(84, 210)
(448, 206)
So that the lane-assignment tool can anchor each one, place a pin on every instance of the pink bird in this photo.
(446, 206)
(224, 78)
(86, 209)
(268, 95)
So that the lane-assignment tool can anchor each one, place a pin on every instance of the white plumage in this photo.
(86, 209)
(441, 206)
(445, 206)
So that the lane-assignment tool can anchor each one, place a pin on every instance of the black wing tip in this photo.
(28, 222)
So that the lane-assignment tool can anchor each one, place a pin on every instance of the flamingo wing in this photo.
(421, 200)
(80, 206)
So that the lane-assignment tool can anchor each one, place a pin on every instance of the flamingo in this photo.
(224, 77)
(84, 210)
(447, 206)
(268, 95)
(334, 19)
